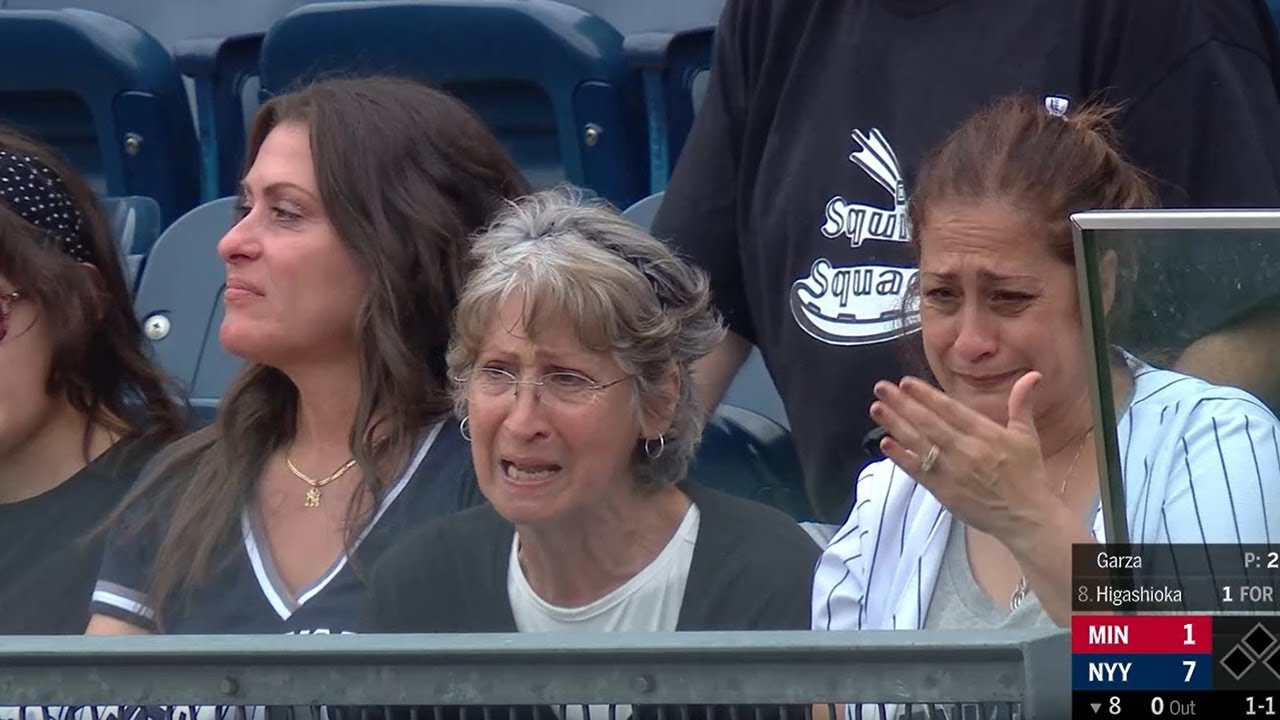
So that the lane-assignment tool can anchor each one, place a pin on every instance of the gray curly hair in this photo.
(625, 293)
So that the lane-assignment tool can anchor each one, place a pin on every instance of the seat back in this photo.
(107, 96)
(135, 224)
(179, 302)
(631, 17)
(549, 79)
(748, 455)
(676, 67)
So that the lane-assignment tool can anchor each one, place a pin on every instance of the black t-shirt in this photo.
(247, 594)
(48, 554)
(792, 188)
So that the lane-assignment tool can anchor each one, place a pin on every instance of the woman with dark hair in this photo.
(342, 272)
(81, 408)
(990, 476)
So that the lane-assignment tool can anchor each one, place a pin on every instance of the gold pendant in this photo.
(313, 498)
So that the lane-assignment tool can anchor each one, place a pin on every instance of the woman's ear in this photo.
(660, 409)
(1108, 267)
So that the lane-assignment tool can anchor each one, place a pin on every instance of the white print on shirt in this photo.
(860, 304)
(859, 222)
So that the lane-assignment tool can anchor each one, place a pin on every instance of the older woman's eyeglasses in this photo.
(561, 388)
(7, 302)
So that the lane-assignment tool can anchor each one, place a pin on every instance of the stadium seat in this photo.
(172, 21)
(749, 455)
(221, 68)
(551, 80)
(644, 211)
(746, 447)
(631, 17)
(135, 224)
(752, 388)
(675, 67)
(179, 302)
(107, 96)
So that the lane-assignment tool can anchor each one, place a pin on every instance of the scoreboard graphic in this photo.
(1201, 643)
(1189, 666)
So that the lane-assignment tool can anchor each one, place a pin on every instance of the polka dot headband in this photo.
(29, 188)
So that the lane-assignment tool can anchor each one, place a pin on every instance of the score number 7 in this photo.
(1190, 665)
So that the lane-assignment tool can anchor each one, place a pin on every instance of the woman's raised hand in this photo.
(991, 476)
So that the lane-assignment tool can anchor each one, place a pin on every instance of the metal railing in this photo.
(1028, 671)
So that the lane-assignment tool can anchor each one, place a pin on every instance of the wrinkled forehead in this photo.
(990, 238)
(528, 318)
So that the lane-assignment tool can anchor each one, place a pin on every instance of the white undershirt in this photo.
(650, 601)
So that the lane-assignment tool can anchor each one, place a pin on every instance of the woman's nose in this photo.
(526, 416)
(241, 242)
(977, 335)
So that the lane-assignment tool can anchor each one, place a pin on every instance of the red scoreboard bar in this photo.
(1182, 666)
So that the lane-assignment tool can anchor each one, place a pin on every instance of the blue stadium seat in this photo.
(172, 21)
(746, 447)
(220, 68)
(643, 211)
(675, 67)
(215, 44)
(179, 302)
(107, 96)
(135, 224)
(549, 79)
(752, 388)
(642, 16)
(748, 455)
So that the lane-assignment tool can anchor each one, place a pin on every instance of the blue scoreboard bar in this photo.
(1180, 666)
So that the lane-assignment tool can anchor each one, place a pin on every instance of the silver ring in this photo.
(930, 458)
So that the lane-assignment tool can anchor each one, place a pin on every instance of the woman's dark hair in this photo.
(1046, 165)
(98, 362)
(406, 174)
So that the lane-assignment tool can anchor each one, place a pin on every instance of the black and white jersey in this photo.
(1200, 465)
(247, 594)
(792, 189)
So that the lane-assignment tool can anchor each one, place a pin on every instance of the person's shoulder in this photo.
(880, 480)
(771, 28)
(441, 475)
(442, 547)
(117, 469)
(1169, 395)
(1167, 33)
(758, 528)
(444, 445)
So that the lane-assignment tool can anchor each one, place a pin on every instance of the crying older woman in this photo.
(573, 342)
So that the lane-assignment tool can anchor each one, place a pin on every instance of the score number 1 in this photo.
(1190, 665)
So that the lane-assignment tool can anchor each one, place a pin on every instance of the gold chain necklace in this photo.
(1020, 590)
(313, 492)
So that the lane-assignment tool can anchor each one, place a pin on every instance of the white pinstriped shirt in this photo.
(1200, 462)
